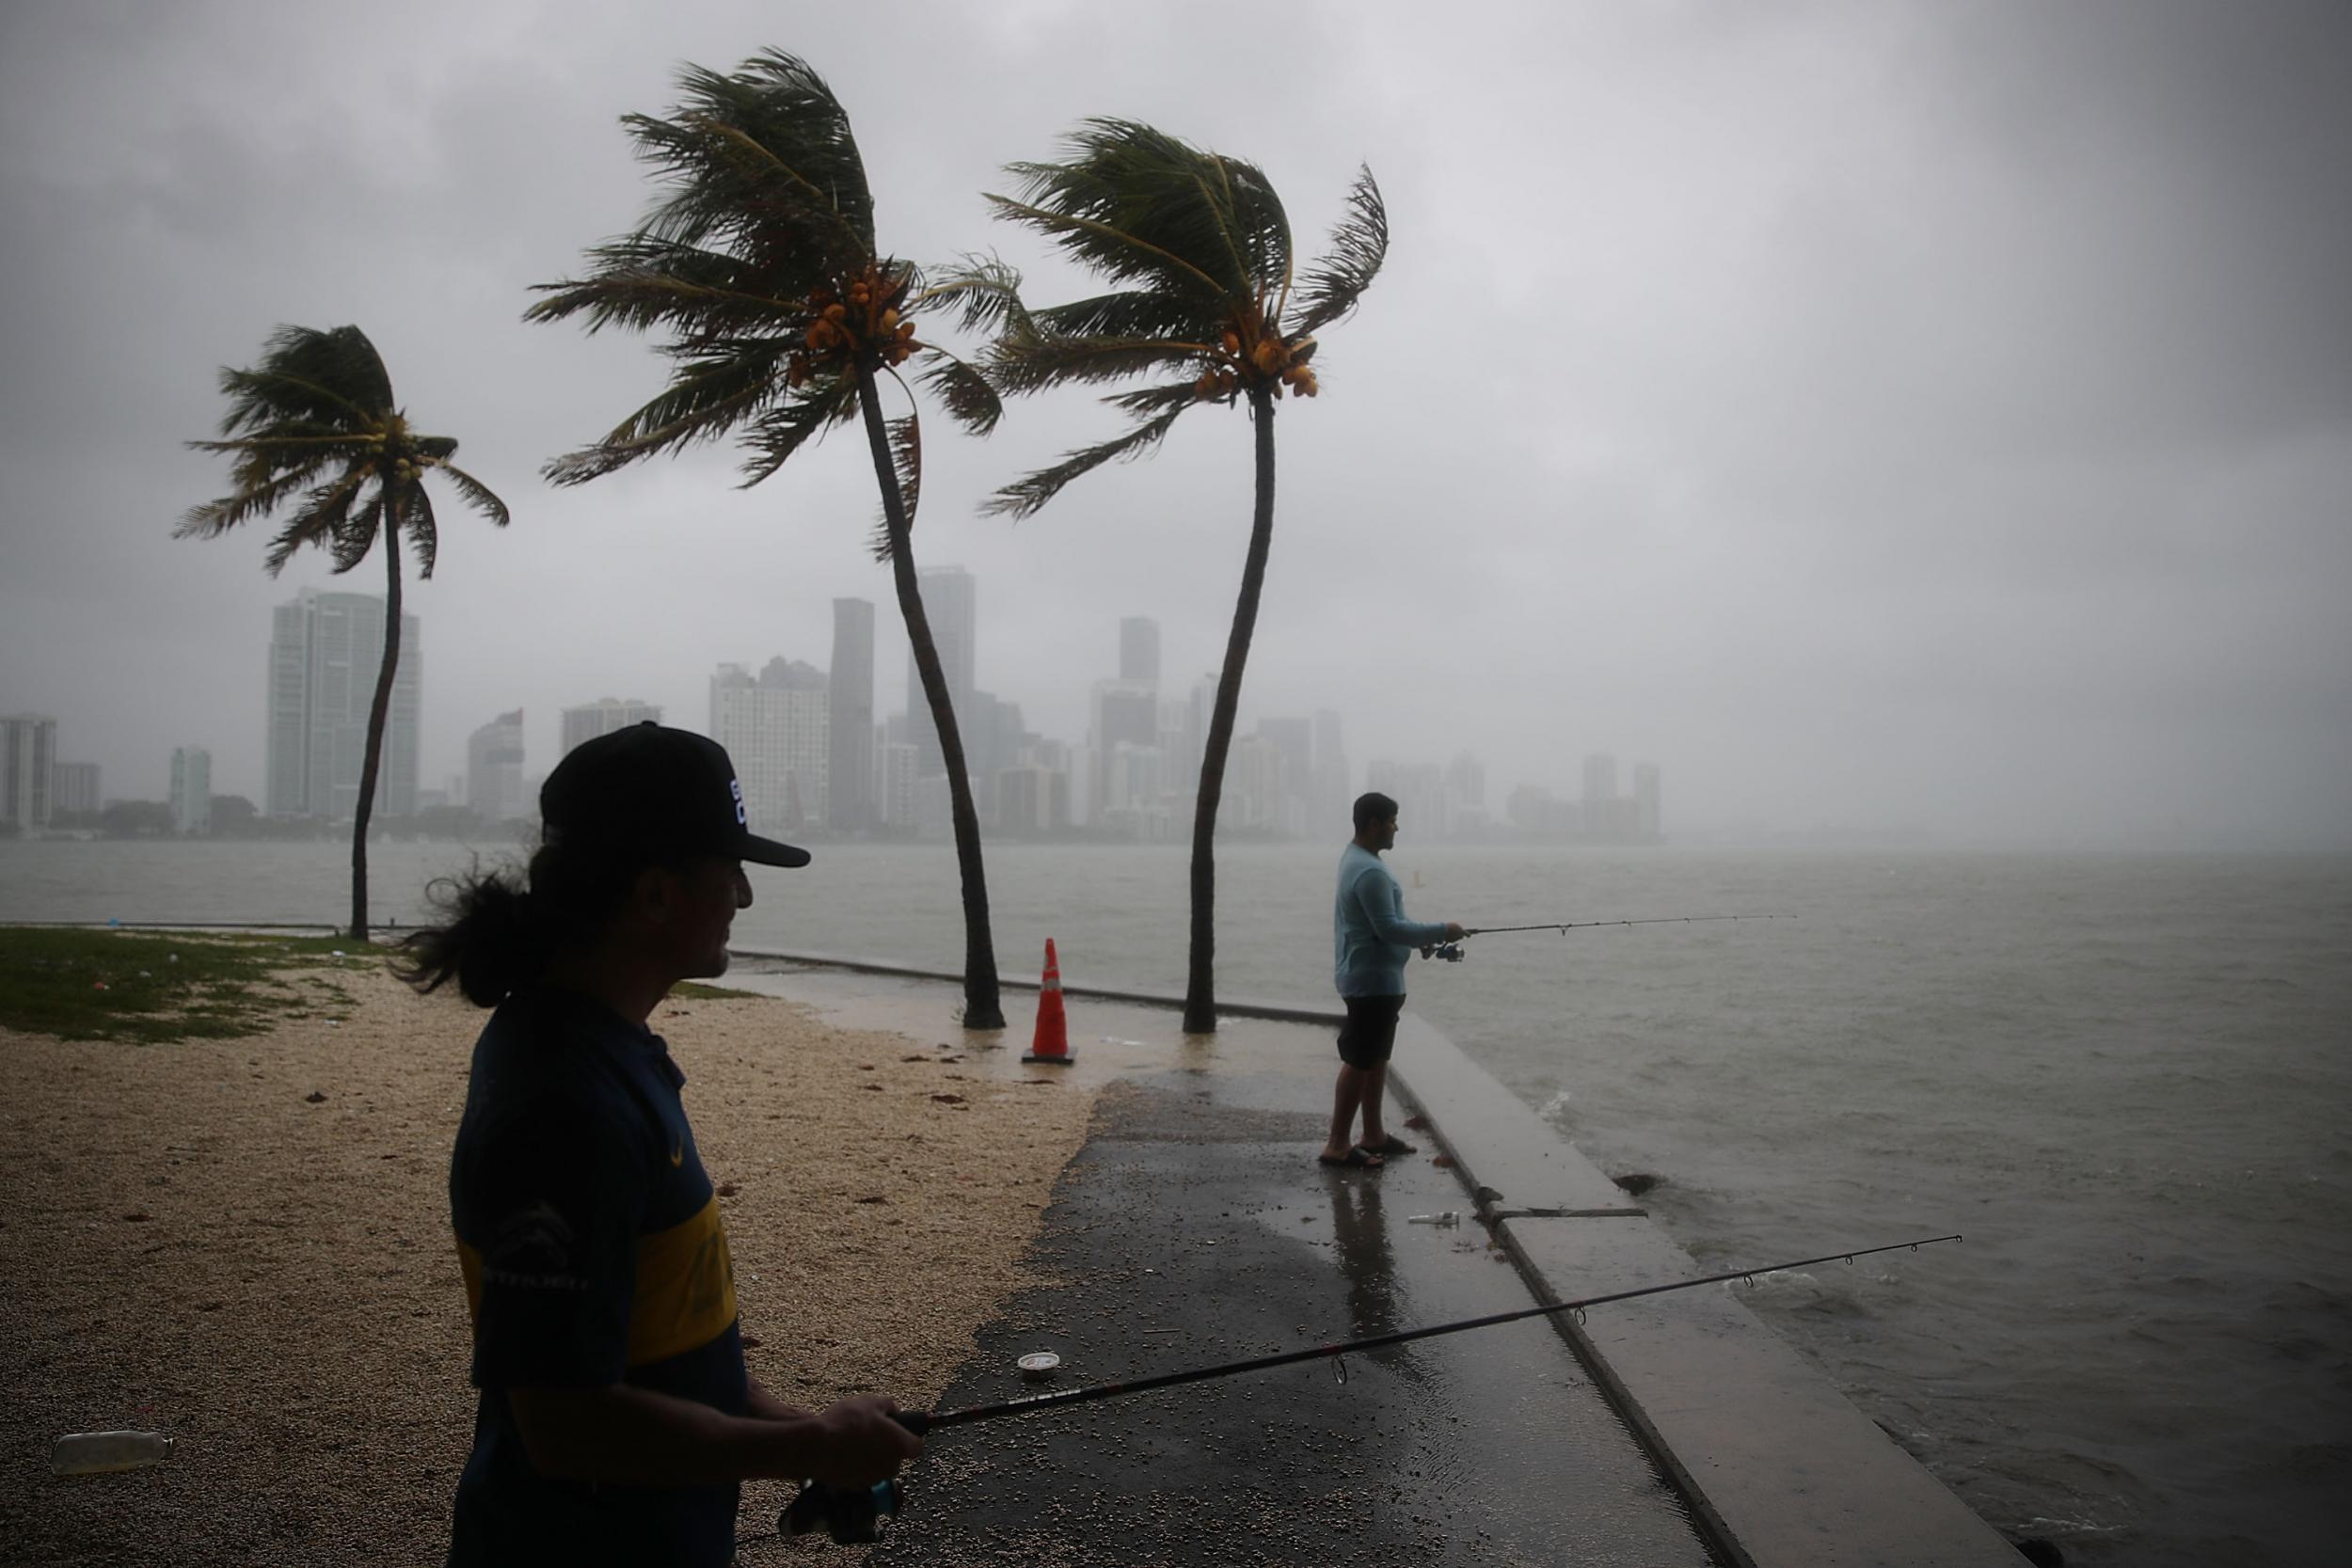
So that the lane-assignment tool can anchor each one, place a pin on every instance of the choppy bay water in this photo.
(2128, 1079)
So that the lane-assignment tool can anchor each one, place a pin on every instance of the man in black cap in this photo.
(616, 1416)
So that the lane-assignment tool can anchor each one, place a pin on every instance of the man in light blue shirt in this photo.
(1371, 941)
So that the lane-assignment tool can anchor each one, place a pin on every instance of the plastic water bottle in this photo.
(1449, 1219)
(90, 1453)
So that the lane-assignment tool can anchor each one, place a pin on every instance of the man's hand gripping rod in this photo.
(853, 1514)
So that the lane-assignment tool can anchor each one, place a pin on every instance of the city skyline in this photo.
(1130, 774)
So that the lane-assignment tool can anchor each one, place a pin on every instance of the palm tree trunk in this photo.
(982, 1008)
(373, 756)
(1201, 983)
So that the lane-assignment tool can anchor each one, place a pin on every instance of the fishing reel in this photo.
(1450, 952)
(852, 1515)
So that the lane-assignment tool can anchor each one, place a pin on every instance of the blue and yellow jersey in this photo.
(593, 1254)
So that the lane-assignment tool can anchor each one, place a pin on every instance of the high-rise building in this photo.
(896, 774)
(326, 651)
(1418, 790)
(1600, 787)
(28, 755)
(1465, 780)
(1295, 739)
(950, 603)
(850, 788)
(777, 729)
(73, 787)
(1252, 798)
(1122, 713)
(602, 716)
(992, 736)
(1332, 793)
(494, 770)
(1139, 650)
(191, 790)
(1646, 816)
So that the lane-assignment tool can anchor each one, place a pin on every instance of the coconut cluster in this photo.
(1250, 354)
(859, 318)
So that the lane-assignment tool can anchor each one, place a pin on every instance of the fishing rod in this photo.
(1451, 951)
(820, 1506)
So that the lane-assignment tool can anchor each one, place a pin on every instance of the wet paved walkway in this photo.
(1196, 1228)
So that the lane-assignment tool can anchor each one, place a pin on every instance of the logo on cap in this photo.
(742, 817)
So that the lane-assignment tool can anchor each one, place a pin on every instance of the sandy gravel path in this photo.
(246, 1243)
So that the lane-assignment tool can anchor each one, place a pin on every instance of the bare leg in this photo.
(1347, 1095)
(1374, 1089)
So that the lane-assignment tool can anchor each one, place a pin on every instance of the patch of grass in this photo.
(154, 987)
(691, 990)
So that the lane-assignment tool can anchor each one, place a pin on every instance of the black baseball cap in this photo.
(662, 791)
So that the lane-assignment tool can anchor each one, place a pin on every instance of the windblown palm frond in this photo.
(784, 429)
(1024, 497)
(325, 518)
(984, 290)
(1135, 204)
(765, 149)
(1359, 242)
(310, 381)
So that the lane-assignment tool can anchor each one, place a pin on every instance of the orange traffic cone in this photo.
(1052, 1040)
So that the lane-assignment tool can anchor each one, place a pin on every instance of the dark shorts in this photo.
(1369, 1032)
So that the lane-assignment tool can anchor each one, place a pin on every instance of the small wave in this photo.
(2039, 1524)
(1797, 1291)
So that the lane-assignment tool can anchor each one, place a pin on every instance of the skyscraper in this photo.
(28, 751)
(777, 730)
(602, 716)
(1295, 739)
(1333, 793)
(1139, 650)
(494, 770)
(74, 786)
(1252, 799)
(191, 790)
(325, 652)
(951, 604)
(850, 793)
(1418, 790)
(1122, 714)
(1647, 820)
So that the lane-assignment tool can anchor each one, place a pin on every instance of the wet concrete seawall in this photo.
(1780, 1471)
(1774, 1468)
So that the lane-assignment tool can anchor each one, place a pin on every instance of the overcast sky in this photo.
(1871, 413)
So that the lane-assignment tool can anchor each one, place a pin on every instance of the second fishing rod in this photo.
(855, 1514)
(1453, 952)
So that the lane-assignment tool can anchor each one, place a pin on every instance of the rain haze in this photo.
(1882, 418)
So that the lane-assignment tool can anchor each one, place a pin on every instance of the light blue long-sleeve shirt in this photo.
(1371, 939)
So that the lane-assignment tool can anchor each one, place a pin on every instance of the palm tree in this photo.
(1198, 252)
(759, 261)
(315, 428)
